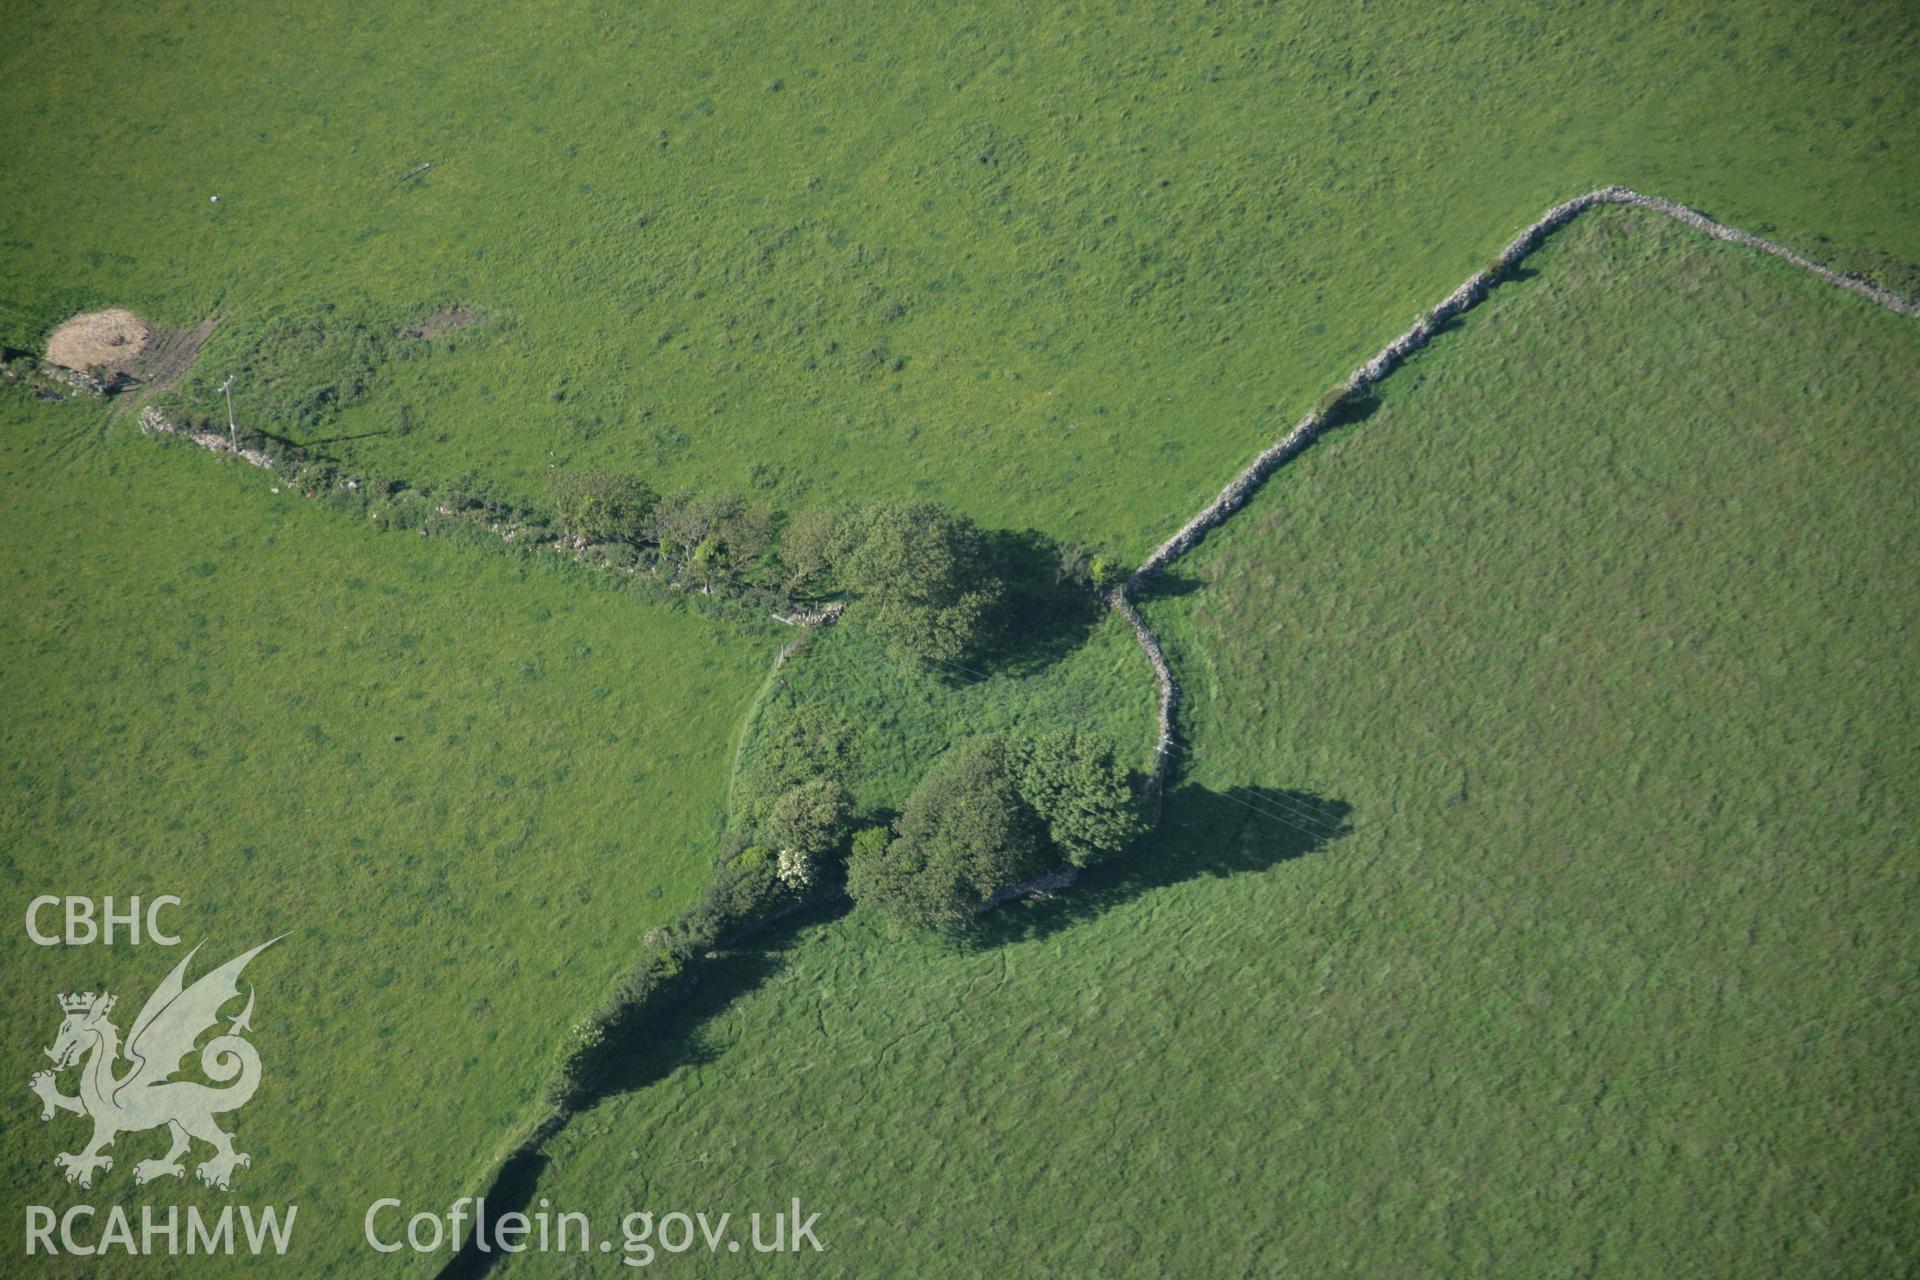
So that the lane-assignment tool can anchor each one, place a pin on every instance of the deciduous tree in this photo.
(964, 834)
(923, 576)
(805, 547)
(601, 506)
(811, 819)
(1075, 781)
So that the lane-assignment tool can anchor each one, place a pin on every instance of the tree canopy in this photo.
(601, 506)
(1078, 786)
(963, 834)
(924, 576)
(991, 813)
(810, 819)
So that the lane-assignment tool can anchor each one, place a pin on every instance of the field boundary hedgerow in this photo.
(1471, 293)
(522, 530)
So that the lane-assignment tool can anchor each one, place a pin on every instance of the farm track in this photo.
(1470, 294)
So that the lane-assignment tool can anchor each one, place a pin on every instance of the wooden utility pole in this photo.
(233, 432)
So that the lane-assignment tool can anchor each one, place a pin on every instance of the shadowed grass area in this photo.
(887, 719)
(463, 784)
(1582, 663)
(1055, 267)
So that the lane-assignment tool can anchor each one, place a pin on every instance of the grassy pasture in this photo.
(465, 786)
(1597, 631)
(1057, 267)
(891, 720)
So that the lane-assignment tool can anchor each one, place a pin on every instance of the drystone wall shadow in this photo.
(1355, 409)
(1170, 585)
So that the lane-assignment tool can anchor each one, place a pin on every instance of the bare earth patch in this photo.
(171, 354)
(442, 321)
(113, 339)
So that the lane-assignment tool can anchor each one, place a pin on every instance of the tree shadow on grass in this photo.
(1048, 614)
(647, 1052)
(1202, 833)
(511, 1192)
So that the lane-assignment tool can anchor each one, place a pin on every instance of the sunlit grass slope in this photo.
(1056, 266)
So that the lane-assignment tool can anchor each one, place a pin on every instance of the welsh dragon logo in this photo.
(146, 1096)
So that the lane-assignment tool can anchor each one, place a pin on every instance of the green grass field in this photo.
(890, 720)
(1535, 900)
(1057, 268)
(463, 785)
(1532, 899)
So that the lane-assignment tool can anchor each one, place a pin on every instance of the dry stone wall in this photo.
(1471, 292)
(154, 422)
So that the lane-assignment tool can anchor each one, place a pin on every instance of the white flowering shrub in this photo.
(796, 870)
